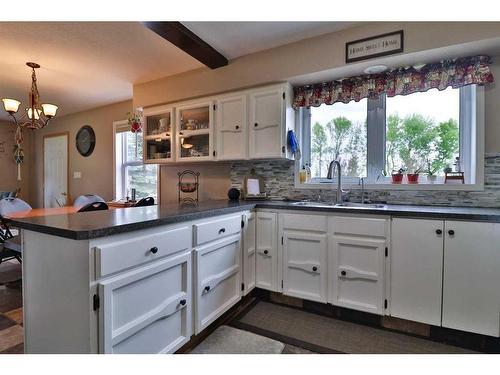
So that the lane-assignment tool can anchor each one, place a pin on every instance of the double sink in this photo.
(342, 205)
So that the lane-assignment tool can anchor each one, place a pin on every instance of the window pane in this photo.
(143, 179)
(133, 143)
(422, 131)
(338, 131)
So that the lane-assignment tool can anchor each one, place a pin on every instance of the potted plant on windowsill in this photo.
(413, 177)
(431, 174)
(397, 176)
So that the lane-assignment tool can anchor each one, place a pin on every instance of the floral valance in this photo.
(401, 81)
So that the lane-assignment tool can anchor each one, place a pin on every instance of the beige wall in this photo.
(96, 169)
(8, 168)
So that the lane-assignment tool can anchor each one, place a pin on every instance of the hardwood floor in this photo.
(11, 312)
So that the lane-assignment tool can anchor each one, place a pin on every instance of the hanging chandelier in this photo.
(37, 115)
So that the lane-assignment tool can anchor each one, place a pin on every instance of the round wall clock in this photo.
(85, 140)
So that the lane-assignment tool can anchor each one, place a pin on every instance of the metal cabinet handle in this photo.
(255, 124)
(343, 273)
(207, 288)
(266, 252)
(222, 230)
(439, 231)
(315, 268)
(182, 302)
(451, 232)
(154, 250)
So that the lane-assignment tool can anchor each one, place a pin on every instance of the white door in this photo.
(305, 265)
(248, 258)
(471, 277)
(232, 128)
(218, 280)
(147, 310)
(267, 252)
(266, 124)
(416, 259)
(356, 273)
(55, 170)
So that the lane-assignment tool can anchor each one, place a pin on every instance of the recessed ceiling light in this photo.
(375, 69)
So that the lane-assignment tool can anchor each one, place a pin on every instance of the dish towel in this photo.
(293, 143)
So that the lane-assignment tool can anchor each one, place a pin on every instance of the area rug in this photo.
(229, 340)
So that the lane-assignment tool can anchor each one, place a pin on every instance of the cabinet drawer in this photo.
(216, 229)
(301, 222)
(119, 255)
(360, 226)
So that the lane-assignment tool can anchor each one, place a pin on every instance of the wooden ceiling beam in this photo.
(180, 36)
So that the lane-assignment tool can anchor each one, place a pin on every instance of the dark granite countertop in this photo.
(87, 225)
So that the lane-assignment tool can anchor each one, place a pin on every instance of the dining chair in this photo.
(95, 206)
(148, 201)
(10, 245)
(84, 200)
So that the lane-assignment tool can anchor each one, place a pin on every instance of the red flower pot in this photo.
(412, 178)
(397, 178)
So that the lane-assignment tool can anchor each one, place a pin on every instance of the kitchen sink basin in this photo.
(340, 205)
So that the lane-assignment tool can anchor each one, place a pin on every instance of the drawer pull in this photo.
(222, 230)
(451, 232)
(237, 127)
(343, 273)
(315, 268)
(207, 288)
(154, 250)
(439, 231)
(255, 124)
(182, 302)
(266, 252)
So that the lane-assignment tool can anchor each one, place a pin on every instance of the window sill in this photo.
(389, 186)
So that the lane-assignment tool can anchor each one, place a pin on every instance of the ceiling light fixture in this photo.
(375, 69)
(37, 115)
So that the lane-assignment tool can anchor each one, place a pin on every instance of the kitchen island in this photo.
(146, 279)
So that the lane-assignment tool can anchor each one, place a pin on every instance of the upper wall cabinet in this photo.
(247, 124)
(268, 122)
(232, 127)
(158, 135)
(194, 140)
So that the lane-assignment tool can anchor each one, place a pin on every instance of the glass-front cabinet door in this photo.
(194, 141)
(158, 135)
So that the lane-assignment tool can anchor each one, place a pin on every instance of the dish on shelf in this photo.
(188, 187)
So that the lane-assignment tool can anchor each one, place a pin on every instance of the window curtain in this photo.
(400, 81)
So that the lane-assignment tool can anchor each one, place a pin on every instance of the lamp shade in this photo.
(11, 105)
(49, 110)
(30, 113)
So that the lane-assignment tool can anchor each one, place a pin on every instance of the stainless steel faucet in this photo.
(336, 163)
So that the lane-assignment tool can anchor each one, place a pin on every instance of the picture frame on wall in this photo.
(374, 46)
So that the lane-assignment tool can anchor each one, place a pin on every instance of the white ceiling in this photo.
(90, 64)
(84, 64)
(235, 39)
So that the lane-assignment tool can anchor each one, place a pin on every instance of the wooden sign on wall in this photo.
(375, 46)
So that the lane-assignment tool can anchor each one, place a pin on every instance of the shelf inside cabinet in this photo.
(158, 149)
(161, 136)
(157, 125)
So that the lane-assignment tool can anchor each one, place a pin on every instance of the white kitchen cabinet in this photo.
(417, 269)
(357, 263)
(148, 309)
(249, 253)
(232, 127)
(305, 265)
(270, 115)
(158, 135)
(267, 275)
(218, 279)
(471, 277)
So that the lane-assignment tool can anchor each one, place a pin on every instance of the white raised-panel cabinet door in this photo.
(356, 273)
(471, 278)
(266, 128)
(416, 259)
(267, 252)
(218, 279)
(305, 265)
(232, 127)
(249, 253)
(147, 310)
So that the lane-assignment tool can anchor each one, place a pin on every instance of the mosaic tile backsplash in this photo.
(279, 183)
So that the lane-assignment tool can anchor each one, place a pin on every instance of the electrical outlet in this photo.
(77, 174)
